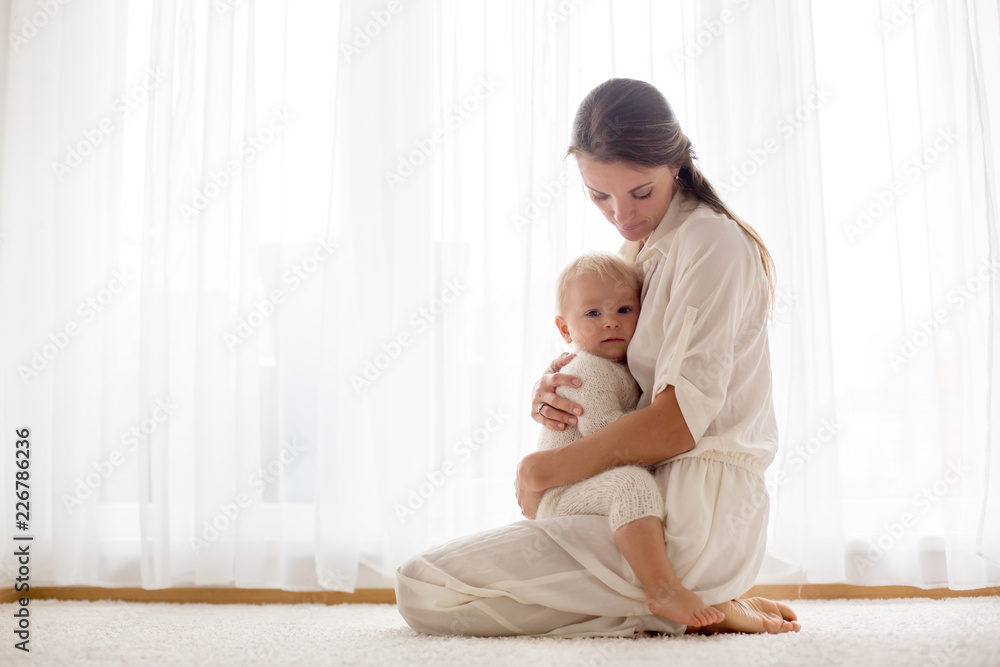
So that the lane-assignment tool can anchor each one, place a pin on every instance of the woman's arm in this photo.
(643, 437)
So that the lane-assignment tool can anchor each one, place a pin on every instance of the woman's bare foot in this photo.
(676, 603)
(754, 615)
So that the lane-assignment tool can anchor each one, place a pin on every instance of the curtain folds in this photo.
(278, 276)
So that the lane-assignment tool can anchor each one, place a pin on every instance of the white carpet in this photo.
(958, 631)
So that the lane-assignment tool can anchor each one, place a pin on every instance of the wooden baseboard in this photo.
(837, 591)
(388, 595)
(208, 595)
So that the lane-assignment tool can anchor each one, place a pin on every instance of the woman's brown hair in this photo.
(626, 120)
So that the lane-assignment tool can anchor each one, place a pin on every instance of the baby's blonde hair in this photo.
(605, 265)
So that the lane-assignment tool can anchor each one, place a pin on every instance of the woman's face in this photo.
(634, 199)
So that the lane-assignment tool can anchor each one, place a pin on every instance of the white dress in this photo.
(703, 329)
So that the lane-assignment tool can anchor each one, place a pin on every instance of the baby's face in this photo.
(600, 316)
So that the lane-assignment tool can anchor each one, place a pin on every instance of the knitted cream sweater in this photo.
(608, 391)
(625, 493)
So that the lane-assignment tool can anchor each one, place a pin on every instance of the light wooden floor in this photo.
(388, 595)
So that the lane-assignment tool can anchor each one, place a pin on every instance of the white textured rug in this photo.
(958, 631)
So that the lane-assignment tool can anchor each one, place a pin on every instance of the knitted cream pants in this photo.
(622, 494)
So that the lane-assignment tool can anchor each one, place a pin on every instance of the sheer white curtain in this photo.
(169, 271)
(885, 356)
(288, 270)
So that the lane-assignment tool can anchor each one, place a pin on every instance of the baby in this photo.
(597, 307)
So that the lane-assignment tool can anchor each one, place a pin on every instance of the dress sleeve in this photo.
(712, 285)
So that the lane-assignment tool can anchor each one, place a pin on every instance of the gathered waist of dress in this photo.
(711, 448)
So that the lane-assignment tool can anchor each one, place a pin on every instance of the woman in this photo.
(705, 418)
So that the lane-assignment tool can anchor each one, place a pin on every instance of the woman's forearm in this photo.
(653, 434)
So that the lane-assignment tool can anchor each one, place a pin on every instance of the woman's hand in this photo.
(527, 488)
(555, 409)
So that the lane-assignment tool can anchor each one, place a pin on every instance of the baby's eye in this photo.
(592, 313)
(625, 309)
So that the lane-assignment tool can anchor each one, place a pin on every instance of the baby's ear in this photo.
(563, 329)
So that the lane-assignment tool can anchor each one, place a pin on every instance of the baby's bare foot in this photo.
(754, 615)
(674, 602)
